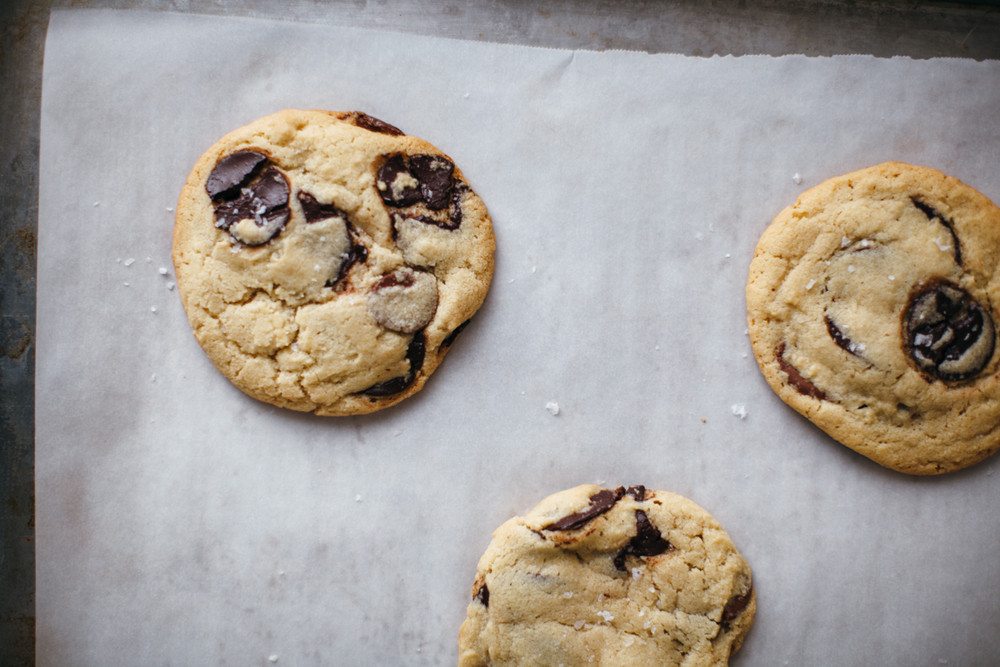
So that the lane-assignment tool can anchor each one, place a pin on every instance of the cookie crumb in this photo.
(739, 410)
(552, 407)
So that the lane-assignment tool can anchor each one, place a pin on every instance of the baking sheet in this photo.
(182, 523)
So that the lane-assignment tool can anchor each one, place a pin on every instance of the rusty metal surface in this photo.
(691, 27)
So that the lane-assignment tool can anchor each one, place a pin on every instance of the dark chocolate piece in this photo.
(946, 333)
(434, 174)
(387, 175)
(839, 337)
(482, 595)
(434, 184)
(263, 200)
(736, 605)
(231, 172)
(600, 503)
(314, 211)
(933, 214)
(801, 384)
(638, 492)
(647, 542)
(370, 123)
(415, 355)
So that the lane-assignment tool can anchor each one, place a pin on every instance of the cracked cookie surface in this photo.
(872, 309)
(327, 261)
(612, 577)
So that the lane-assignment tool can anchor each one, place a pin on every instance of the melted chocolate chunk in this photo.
(415, 355)
(231, 172)
(647, 542)
(405, 181)
(259, 210)
(638, 492)
(946, 333)
(736, 605)
(801, 384)
(933, 214)
(839, 337)
(314, 211)
(434, 174)
(482, 596)
(370, 123)
(600, 503)
(397, 186)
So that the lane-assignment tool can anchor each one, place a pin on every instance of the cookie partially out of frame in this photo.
(327, 261)
(873, 311)
(613, 577)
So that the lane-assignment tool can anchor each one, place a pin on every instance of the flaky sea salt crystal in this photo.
(163, 270)
(850, 268)
(130, 261)
(606, 615)
(636, 573)
(844, 241)
(810, 284)
(567, 594)
(578, 624)
(796, 178)
(552, 407)
(739, 410)
(152, 309)
(170, 286)
(272, 658)
(357, 498)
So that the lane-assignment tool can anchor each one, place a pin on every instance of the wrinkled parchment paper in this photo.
(182, 523)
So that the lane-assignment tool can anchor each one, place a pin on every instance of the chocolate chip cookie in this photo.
(327, 261)
(612, 577)
(872, 306)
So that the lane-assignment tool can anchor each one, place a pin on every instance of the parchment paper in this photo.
(182, 523)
